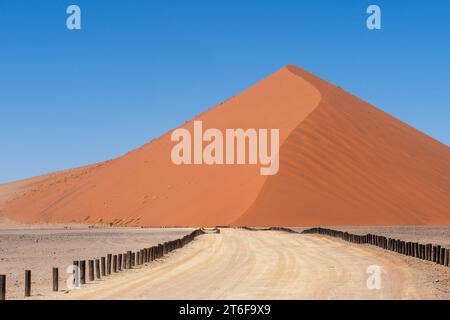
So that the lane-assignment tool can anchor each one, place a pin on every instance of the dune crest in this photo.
(342, 162)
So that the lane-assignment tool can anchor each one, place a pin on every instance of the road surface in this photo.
(242, 264)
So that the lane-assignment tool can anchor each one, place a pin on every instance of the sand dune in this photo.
(342, 162)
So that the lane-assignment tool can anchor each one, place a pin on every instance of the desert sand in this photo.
(342, 162)
(240, 264)
(41, 249)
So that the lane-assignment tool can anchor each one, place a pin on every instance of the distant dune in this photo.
(342, 162)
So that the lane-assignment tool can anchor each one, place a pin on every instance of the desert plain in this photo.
(232, 264)
(344, 164)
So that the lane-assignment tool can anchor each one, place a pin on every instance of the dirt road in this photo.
(240, 264)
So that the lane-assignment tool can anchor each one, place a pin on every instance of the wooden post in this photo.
(103, 265)
(108, 263)
(432, 249)
(76, 274)
(91, 270)
(438, 254)
(442, 256)
(83, 271)
(438, 258)
(129, 259)
(55, 279)
(2, 287)
(27, 283)
(447, 258)
(97, 268)
(124, 260)
(119, 262)
(115, 263)
(138, 258)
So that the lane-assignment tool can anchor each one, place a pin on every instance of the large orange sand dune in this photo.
(342, 162)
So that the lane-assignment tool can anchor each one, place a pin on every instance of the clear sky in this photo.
(137, 69)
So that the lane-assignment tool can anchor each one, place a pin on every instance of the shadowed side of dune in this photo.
(349, 163)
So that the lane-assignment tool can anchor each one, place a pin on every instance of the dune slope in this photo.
(350, 163)
(342, 162)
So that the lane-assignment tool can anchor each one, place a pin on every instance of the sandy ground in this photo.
(39, 250)
(240, 264)
(433, 234)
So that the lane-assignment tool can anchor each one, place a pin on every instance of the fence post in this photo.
(115, 263)
(2, 287)
(434, 254)
(129, 256)
(83, 271)
(442, 256)
(108, 263)
(103, 264)
(97, 268)
(91, 270)
(119, 262)
(27, 283)
(55, 279)
(76, 274)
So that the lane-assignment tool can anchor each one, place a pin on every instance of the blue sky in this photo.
(137, 69)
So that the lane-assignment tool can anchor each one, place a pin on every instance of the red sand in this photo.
(342, 162)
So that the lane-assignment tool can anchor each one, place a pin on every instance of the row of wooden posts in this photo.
(429, 252)
(105, 266)
(269, 229)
